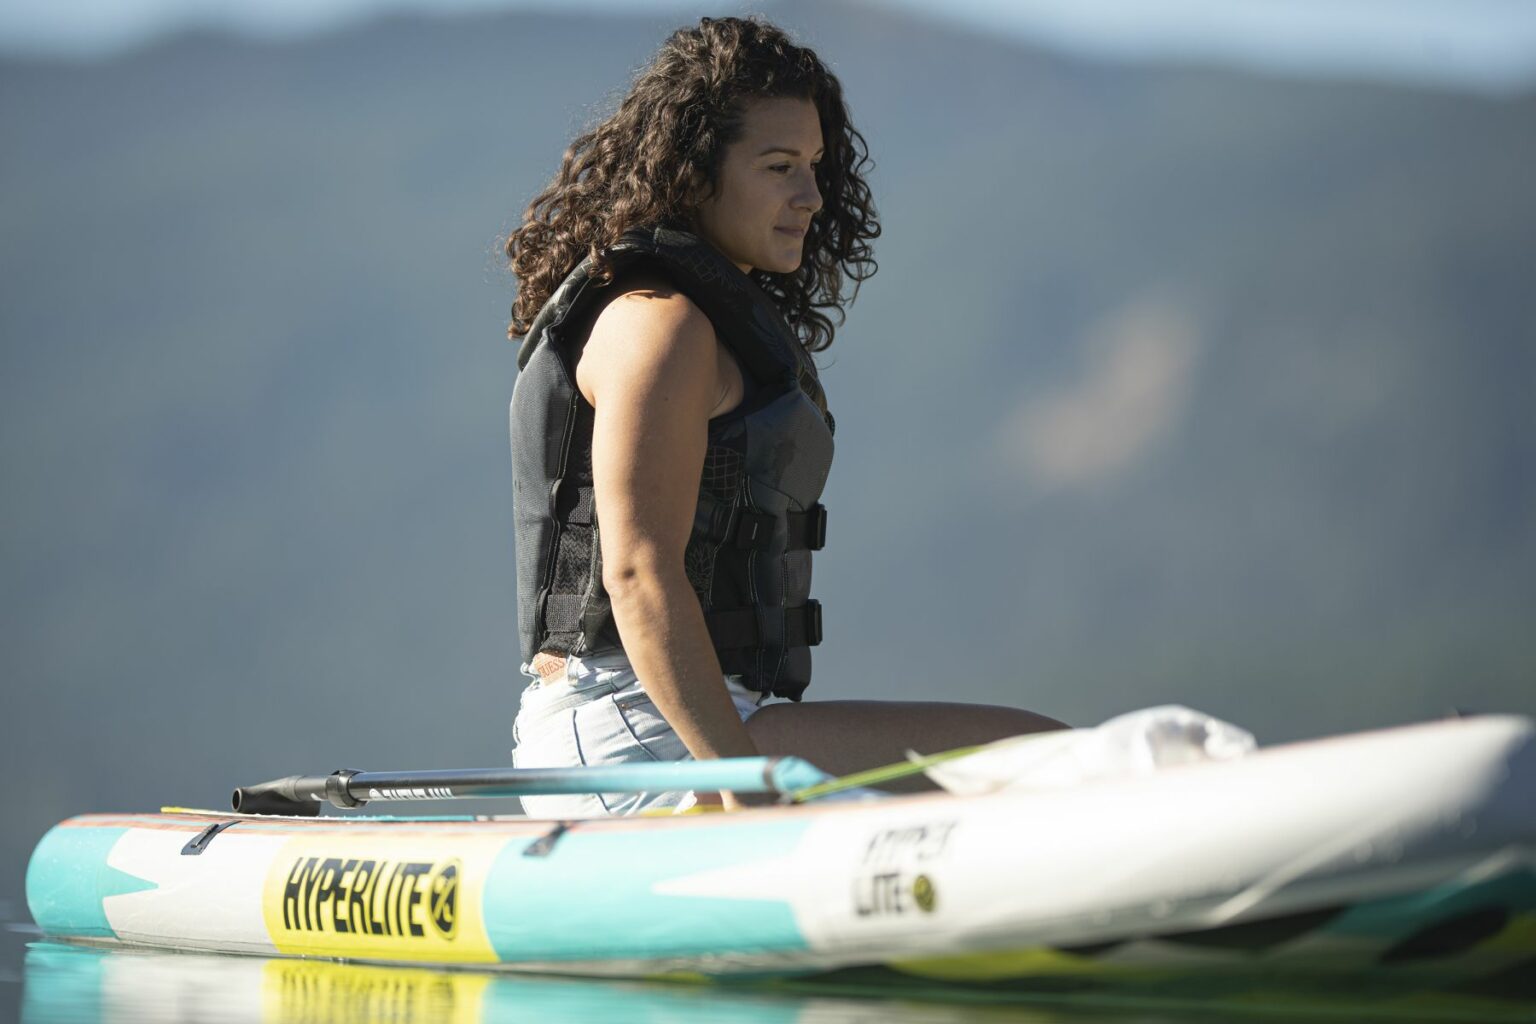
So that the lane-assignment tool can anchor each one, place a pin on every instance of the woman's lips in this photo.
(793, 232)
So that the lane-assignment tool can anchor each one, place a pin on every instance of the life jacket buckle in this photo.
(816, 527)
(812, 623)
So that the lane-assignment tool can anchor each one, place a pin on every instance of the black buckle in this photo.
(753, 529)
(812, 623)
(816, 527)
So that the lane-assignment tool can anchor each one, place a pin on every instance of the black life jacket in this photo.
(758, 516)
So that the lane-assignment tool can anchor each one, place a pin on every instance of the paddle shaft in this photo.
(303, 795)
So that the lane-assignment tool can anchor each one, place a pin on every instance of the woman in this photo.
(670, 434)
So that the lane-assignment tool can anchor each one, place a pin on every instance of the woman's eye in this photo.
(780, 168)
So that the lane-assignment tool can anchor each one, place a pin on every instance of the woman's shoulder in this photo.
(645, 302)
(646, 330)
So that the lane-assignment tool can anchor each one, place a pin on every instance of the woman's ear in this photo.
(699, 191)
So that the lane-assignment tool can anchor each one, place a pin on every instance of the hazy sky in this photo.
(1478, 44)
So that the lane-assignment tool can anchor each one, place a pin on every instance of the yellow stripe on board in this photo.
(381, 897)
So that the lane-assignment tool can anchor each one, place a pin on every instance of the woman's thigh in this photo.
(844, 736)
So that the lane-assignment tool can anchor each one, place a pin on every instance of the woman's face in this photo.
(758, 215)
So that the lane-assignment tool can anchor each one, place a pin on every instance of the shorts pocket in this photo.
(650, 728)
(619, 730)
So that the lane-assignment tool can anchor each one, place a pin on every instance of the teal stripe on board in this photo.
(594, 894)
(1514, 891)
(68, 878)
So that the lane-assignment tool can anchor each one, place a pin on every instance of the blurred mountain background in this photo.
(1177, 383)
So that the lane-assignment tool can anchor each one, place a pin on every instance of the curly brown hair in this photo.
(640, 166)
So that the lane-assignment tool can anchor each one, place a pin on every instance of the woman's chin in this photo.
(784, 264)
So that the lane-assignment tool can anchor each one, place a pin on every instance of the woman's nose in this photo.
(809, 196)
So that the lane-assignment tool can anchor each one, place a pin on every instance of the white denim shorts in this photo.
(597, 712)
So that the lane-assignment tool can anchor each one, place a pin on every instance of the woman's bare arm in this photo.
(652, 372)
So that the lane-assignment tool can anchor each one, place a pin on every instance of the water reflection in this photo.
(80, 984)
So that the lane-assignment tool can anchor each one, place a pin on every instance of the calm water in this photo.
(47, 982)
(51, 983)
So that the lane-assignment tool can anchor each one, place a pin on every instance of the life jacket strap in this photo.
(744, 528)
(736, 628)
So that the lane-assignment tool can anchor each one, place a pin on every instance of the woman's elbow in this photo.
(633, 580)
(622, 580)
